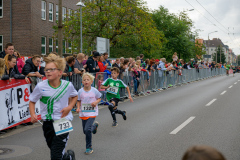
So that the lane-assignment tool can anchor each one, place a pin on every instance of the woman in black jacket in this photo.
(11, 71)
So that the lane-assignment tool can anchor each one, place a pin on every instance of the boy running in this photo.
(113, 86)
(54, 108)
(88, 99)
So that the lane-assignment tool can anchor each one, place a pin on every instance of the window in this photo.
(69, 13)
(64, 46)
(64, 13)
(43, 49)
(57, 46)
(70, 47)
(56, 12)
(43, 10)
(1, 43)
(51, 12)
(50, 45)
(1, 8)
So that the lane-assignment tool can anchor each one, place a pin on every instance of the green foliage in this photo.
(219, 51)
(126, 23)
(177, 30)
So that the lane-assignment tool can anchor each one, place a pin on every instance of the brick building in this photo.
(29, 23)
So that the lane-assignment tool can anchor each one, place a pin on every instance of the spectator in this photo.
(85, 59)
(11, 71)
(92, 65)
(121, 60)
(102, 66)
(2, 67)
(152, 62)
(155, 65)
(161, 68)
(175, 57)
(141, 58)
(69, 70)
(78, 65)
(117, 63)
(136, 79)
(137, 58)
(105, 56)
(100, 81)
(9, 49)
(20, 62)
(31, 67)
(202, 153)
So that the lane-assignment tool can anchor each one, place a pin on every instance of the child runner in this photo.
(54, 108)
(88, 99)
(112, 85)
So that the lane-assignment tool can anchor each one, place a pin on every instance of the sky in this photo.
(208, 16)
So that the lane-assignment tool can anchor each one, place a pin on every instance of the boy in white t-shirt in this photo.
(87, 107)
(53, 94)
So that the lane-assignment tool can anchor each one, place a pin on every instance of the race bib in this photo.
(88, 108)
(112, 90)
(62, 126)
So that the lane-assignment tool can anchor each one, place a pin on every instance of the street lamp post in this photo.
(81, 4)
(208, 44)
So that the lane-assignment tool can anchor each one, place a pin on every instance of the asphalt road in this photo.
(159, 126)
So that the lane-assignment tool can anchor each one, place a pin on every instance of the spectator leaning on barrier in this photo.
(102, 66)
(11, 71)
(69, 66)
(202, 153)
(85, 59)
(78, 66)
(20, 62)
(31, 67)
(105, 56)
(122, 60)
(92, 65)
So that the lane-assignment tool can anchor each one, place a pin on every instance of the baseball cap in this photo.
(96, 54)
(157, 60)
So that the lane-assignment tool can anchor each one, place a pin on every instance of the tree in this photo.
(177, 30)
(219, 51)
(126, 23)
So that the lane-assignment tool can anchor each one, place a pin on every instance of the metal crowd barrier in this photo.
(153, 81)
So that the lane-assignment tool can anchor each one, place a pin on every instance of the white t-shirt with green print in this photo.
(53, 100)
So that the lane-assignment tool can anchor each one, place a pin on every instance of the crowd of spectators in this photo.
(33, 68)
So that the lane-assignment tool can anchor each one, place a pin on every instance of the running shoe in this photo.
(95, 125)
(114, 124)
(88, 151)
(124, 115)
(71, 153)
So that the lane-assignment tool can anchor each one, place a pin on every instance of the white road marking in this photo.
(223, 92)
(175, 131)
(211, 102)
(235, 83)
(230, 87)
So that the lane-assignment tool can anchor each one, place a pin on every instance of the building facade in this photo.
(211, 47)
(29, 24)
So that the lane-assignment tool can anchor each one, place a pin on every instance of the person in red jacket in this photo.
(102, 67)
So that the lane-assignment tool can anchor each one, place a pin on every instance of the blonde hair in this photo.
(138, 62)
(18, 54)
(89, 75)
(80, 56)
(2, 66)
(58, 61)
(163, 59)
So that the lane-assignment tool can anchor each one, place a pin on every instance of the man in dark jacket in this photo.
(30, 68)
(9, 49)
(92, 65)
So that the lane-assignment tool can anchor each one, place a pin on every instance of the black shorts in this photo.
(55, 143)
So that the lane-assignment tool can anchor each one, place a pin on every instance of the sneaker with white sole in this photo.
(114, 124)
(88, 151)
